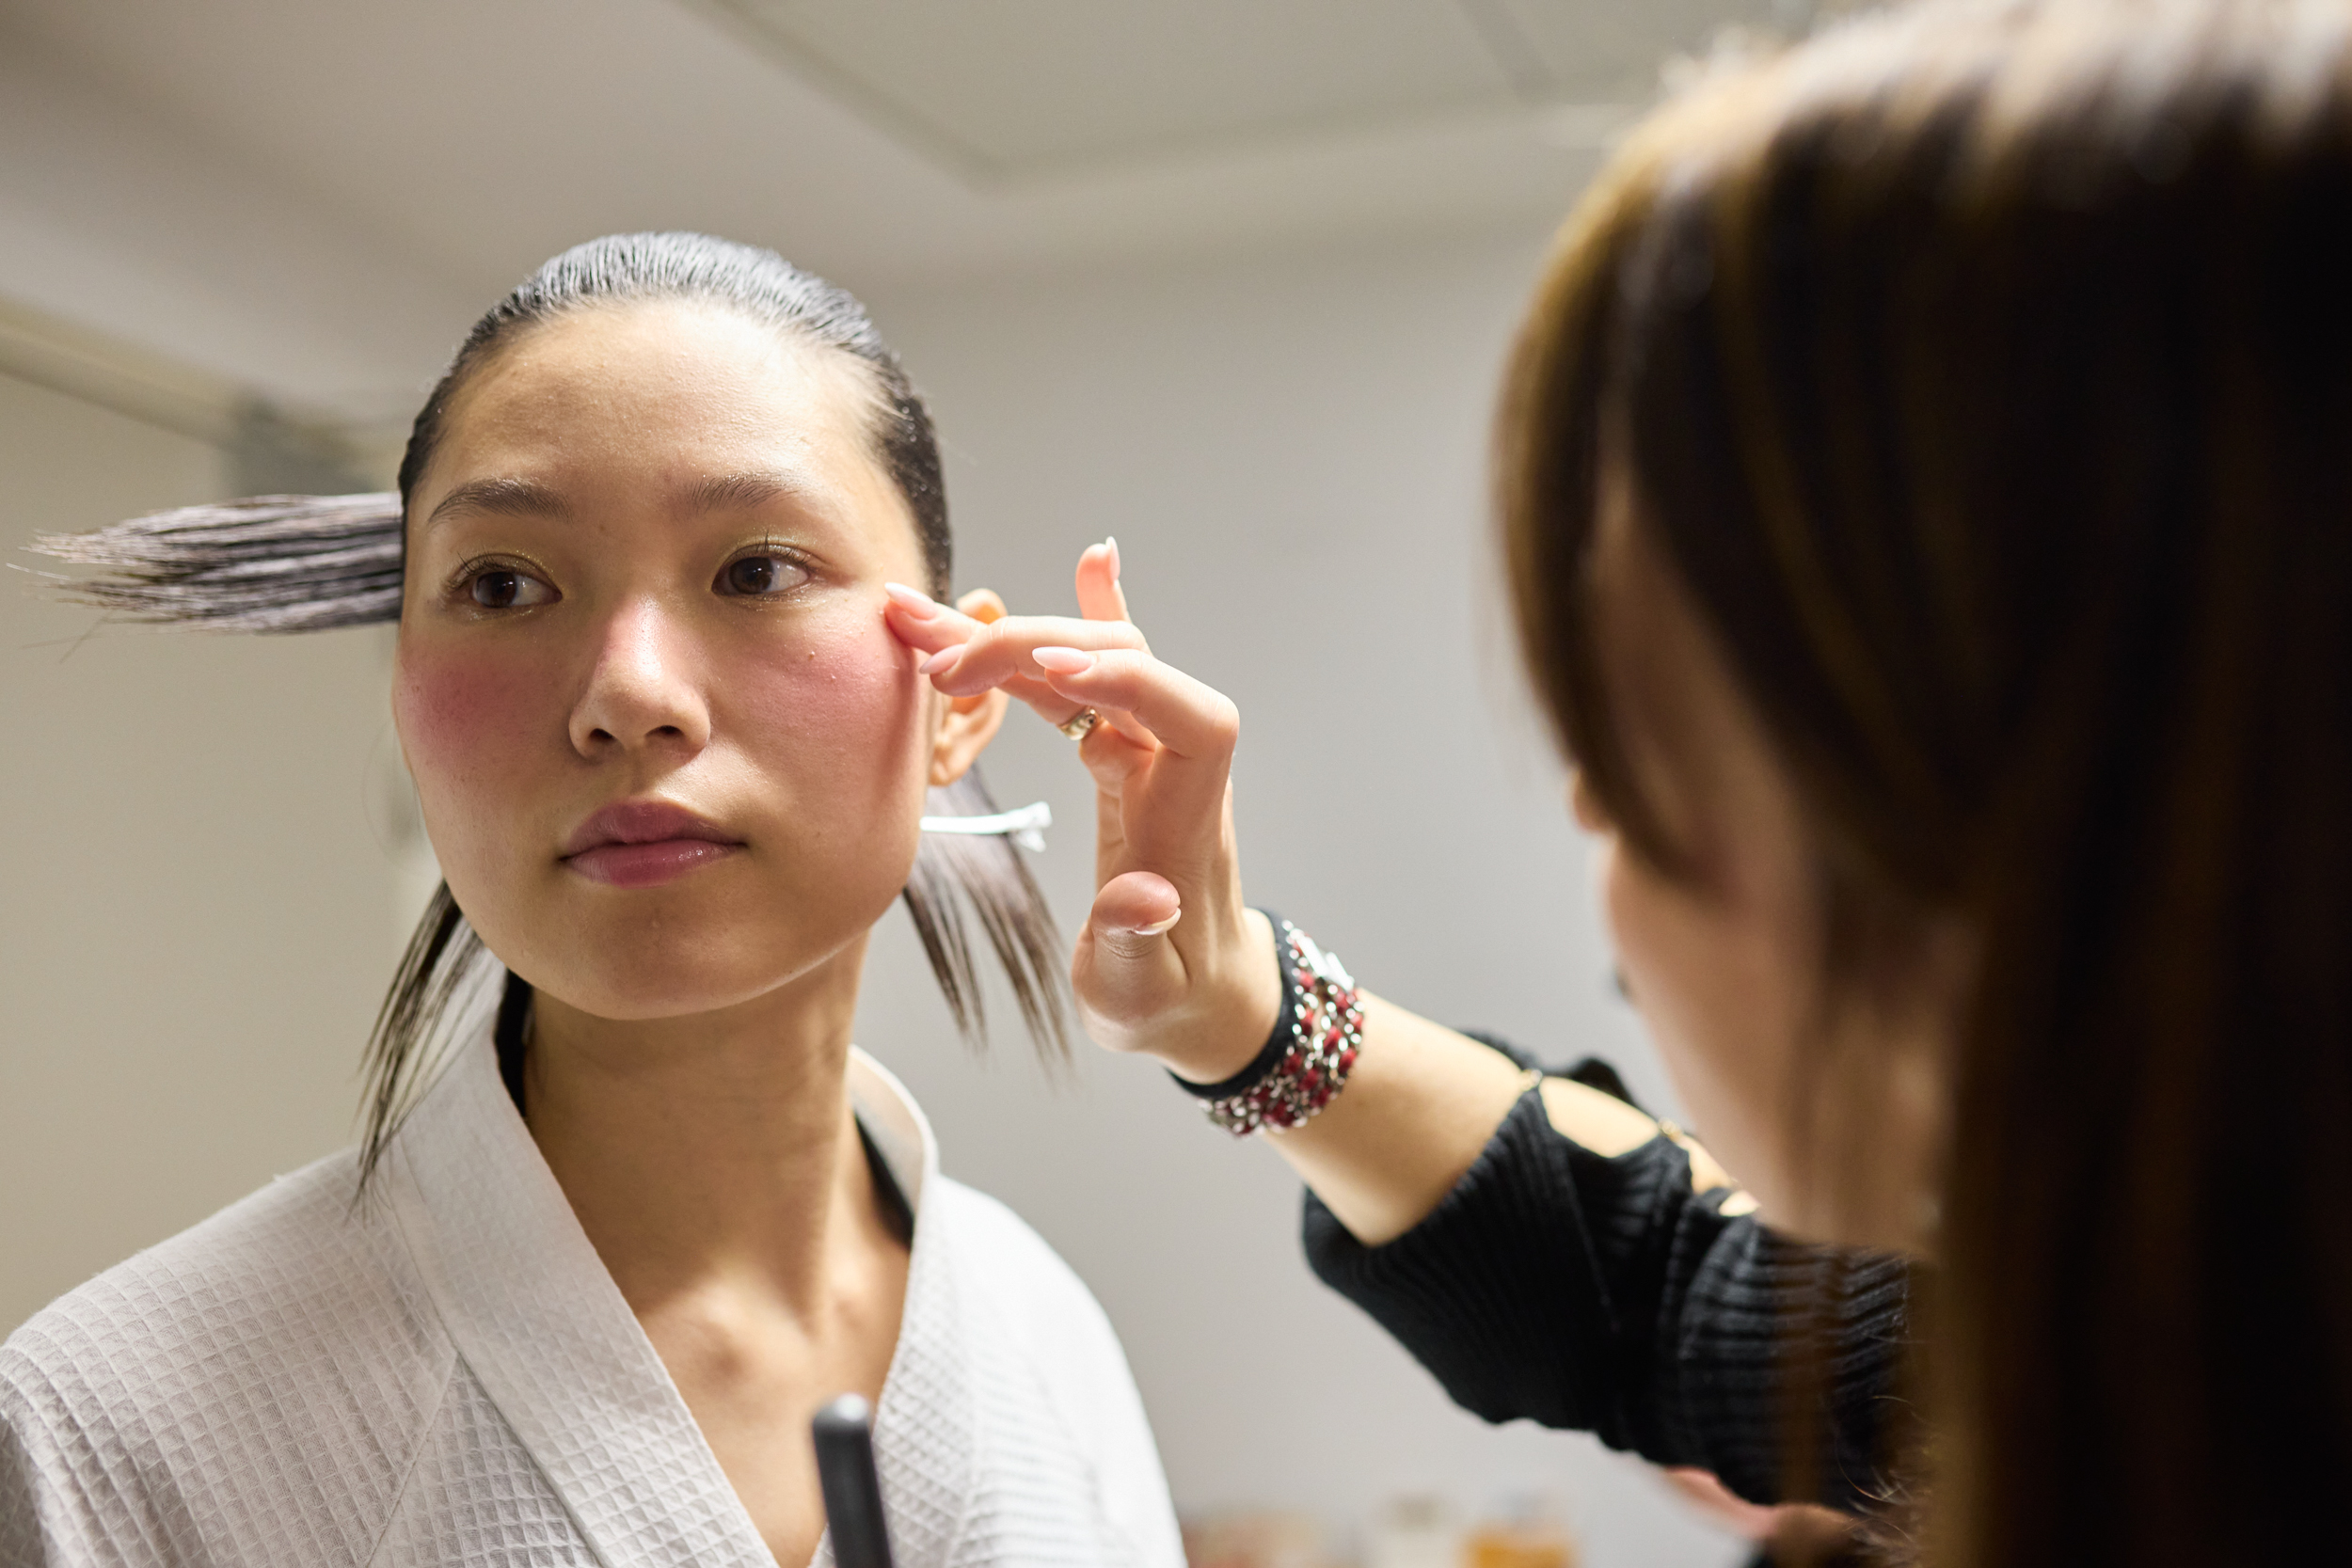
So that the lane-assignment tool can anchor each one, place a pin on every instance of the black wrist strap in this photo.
(1277, 1044)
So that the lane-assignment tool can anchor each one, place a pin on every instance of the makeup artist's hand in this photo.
(1172, 964)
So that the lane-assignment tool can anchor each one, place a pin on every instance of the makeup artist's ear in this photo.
(971, 721)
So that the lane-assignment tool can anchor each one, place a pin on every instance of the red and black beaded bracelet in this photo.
(1305, 1061)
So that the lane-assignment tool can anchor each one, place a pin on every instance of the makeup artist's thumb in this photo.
(1124, 973)
(1134, 910)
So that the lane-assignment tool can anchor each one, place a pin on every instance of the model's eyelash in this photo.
(473, 567)
(777, 548)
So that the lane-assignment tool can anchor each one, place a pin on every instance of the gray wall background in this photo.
(197, 921)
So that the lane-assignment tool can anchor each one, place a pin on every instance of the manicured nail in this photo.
(942, 661)
(919, 604)
(1111, 544)
(1063, 661)
(1163, 926)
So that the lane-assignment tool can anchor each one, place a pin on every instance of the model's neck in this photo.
(712, 1150)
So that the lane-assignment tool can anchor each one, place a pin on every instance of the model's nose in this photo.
(643, 691)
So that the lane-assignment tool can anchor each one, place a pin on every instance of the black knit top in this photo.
(1601, 1294)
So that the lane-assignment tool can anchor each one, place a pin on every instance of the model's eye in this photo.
(753, 576)
(504, 588)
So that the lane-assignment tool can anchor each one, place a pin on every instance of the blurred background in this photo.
(1231, 279)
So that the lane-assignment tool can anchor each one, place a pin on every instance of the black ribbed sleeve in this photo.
(1601, 1294)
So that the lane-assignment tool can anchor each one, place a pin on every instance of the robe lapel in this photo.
(543, 1327)
(548, 1335)
(927, 1448)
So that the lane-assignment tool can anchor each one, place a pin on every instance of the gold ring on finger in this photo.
(1080, 724)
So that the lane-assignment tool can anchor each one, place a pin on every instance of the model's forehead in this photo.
(661, 372)
(661, 388)
(620, 416)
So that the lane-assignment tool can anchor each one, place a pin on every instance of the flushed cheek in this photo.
(844, 692)
(469, 725)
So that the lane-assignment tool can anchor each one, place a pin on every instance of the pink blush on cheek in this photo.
(841, 688)
(460, 715)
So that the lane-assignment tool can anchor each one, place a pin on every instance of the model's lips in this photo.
(644, 843)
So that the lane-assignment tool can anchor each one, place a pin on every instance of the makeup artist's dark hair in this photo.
(290, 564)
(1984, 374)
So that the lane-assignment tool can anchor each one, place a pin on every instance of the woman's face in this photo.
(1831, 1114)
(670, 756)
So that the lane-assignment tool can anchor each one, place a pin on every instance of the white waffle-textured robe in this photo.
(448, 1375)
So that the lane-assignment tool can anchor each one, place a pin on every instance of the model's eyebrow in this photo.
(742, 492)
(512, 497)
(529, 497)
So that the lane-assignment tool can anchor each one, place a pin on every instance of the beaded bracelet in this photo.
(1307, 1059)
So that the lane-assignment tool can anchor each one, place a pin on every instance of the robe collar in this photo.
(546, 1332)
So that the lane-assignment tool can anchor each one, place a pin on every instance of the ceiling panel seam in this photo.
(1500, 39)
(919, 135)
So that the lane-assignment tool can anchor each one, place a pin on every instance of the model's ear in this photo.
(973, 722)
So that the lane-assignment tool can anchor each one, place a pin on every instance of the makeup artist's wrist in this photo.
(1310, 1054)
(1242, 1000)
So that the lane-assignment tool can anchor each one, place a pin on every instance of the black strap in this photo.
(512, 1034)
(1277, 1045)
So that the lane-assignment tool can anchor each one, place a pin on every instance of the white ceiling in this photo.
(1013, 90)
(315, 195)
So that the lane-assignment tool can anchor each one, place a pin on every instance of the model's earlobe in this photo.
(982, 605)
(965, 731)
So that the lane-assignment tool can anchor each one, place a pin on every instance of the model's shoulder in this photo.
(1007, 1247)
(1058, 1379)
(278, 1361)
(248, 1273)
(1031, 1291)
(293, 1284)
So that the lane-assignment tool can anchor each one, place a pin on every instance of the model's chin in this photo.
(660, 980)
(665, 953)
(720, 932)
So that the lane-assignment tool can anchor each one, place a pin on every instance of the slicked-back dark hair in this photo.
(292, 563)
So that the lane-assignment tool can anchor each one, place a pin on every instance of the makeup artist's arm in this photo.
(1545, 1256)
(1200, 995)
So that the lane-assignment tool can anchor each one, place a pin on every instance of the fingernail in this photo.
(1063, 661)
(919, 604)
(943, 660)
(1111, 544)
(1163, 926)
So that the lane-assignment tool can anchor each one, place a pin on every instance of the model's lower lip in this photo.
(646, 864)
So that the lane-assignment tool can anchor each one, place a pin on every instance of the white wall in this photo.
(1292, 455)
(194, 929)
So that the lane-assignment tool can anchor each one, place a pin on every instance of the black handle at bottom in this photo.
(845, 1469)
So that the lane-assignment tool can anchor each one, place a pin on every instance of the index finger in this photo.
(1007, 650)
(928, 626)
(922, 623)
